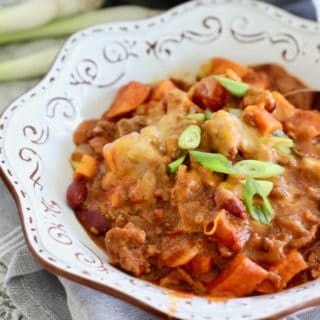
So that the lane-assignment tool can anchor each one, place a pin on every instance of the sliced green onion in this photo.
(213, 161)
(266, 186)
(74, 164)
(283, 150)
(196, 116)
(236, 88)
(279, 133)
(274, 140)
(257, 168)
(262, 213)
(174, 165)
(207, 115)
(282, 143)
(236, 112)
(190, 138)
(298, 153)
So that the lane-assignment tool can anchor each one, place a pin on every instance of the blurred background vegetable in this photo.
(37, 19)
(32, 13)
(28, 66)
(68, 25)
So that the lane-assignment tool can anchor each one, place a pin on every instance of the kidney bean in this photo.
(235, 207)
(93, 220)
(209, 94)
(77, 193)
(174, 232)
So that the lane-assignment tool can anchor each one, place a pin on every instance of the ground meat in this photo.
(313, 259)
(281, 81)
(97, 143)
(127, 248)
(105, 128)
(84, 131)
(125, 126)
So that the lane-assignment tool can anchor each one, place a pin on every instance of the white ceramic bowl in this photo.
(36, 131)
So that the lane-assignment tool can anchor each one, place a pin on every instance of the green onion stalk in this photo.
(37, 64)
(236, 88)
(190, 138)
(32, 13)
(262, 212)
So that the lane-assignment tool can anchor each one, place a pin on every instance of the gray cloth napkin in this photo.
(40, 294)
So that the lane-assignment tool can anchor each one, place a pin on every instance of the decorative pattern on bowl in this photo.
(36, 133)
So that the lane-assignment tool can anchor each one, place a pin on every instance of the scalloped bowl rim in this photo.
(298, 25)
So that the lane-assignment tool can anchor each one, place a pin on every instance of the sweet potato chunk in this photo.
(285, 270)
(128, 99)
(200, 264)
(221, 65)
(160, 90)
(127, 247)
(230, 282)
(225, 232)
(261, 119)
(87, 167)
